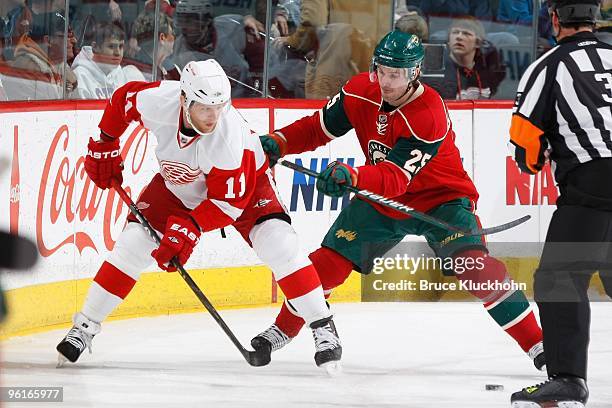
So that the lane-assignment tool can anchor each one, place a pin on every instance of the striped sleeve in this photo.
(531, 108)
(564, 103)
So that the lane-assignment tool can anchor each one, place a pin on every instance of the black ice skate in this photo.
(77, 340)
(558, 391)
(270, 340)
(536, 354)
(327, 344)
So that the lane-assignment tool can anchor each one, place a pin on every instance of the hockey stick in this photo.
(387, 202)
(252, 357)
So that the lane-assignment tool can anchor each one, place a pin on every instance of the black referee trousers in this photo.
(578, 243)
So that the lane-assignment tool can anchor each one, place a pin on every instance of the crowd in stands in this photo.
(475, 49)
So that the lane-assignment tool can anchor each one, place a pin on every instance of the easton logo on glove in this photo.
(181, 236)
(104, 155)
(103, 162)
(185, 231)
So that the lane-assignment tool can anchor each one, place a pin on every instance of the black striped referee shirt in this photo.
(564, 104)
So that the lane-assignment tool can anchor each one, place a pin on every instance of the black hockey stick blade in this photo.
(403, 208)
(254, 358)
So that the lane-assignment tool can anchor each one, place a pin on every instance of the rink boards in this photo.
(48, 197)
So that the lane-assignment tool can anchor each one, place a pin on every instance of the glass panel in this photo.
(476, 49)
(103, 62)
(33, 49)
(318, 45)
(232, 32)
(143, 39)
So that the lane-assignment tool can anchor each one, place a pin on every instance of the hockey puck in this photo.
(494, 387)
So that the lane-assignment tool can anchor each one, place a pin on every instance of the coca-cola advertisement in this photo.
(52, 201)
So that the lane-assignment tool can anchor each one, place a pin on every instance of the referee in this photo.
(563, 112)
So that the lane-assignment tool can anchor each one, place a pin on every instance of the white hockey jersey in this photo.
(212, 174)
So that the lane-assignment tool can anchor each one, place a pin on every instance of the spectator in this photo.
(472, 66)
(15, 20)
(165, 7)
(287, 16)
(546, 36)
(336, 50)
(413, 23)
(515, 12)
(98, 67)
(143, 32)
(224, 38)
(286, 66)
(521, 12)
(39, 61)
(86, 13)
(102, 10)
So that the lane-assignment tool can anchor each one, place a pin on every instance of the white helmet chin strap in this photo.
(188, 116)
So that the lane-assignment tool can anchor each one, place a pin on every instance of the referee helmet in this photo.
(575, 11)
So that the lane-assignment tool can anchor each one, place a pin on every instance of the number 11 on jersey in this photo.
(230, 187)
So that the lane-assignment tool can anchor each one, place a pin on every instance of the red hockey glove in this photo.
(104, 163)
(179, 239)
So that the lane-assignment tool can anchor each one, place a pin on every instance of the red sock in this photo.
(114, 281)
(288, 322)
(527, 332)
(333, 269)
(510, 310)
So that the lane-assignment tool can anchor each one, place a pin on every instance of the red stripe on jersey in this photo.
(300, 282)
(121, 109)
(235, 187)
(114, 281)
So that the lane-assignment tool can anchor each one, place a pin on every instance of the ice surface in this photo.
(409, 355)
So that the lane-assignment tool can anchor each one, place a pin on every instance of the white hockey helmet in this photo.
(201, 7)
(204, 82)
(197, 14)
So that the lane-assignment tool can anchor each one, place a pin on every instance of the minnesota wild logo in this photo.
(377, 151)
(348, 235)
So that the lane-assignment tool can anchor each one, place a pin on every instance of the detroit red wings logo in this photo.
(178, 173)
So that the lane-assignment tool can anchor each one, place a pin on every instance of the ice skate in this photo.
(327, 344)
(77, 340)
(536, 354)
(557, 392)
(270, 340)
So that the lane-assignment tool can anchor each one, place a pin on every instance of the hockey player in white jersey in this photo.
(212, 173)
